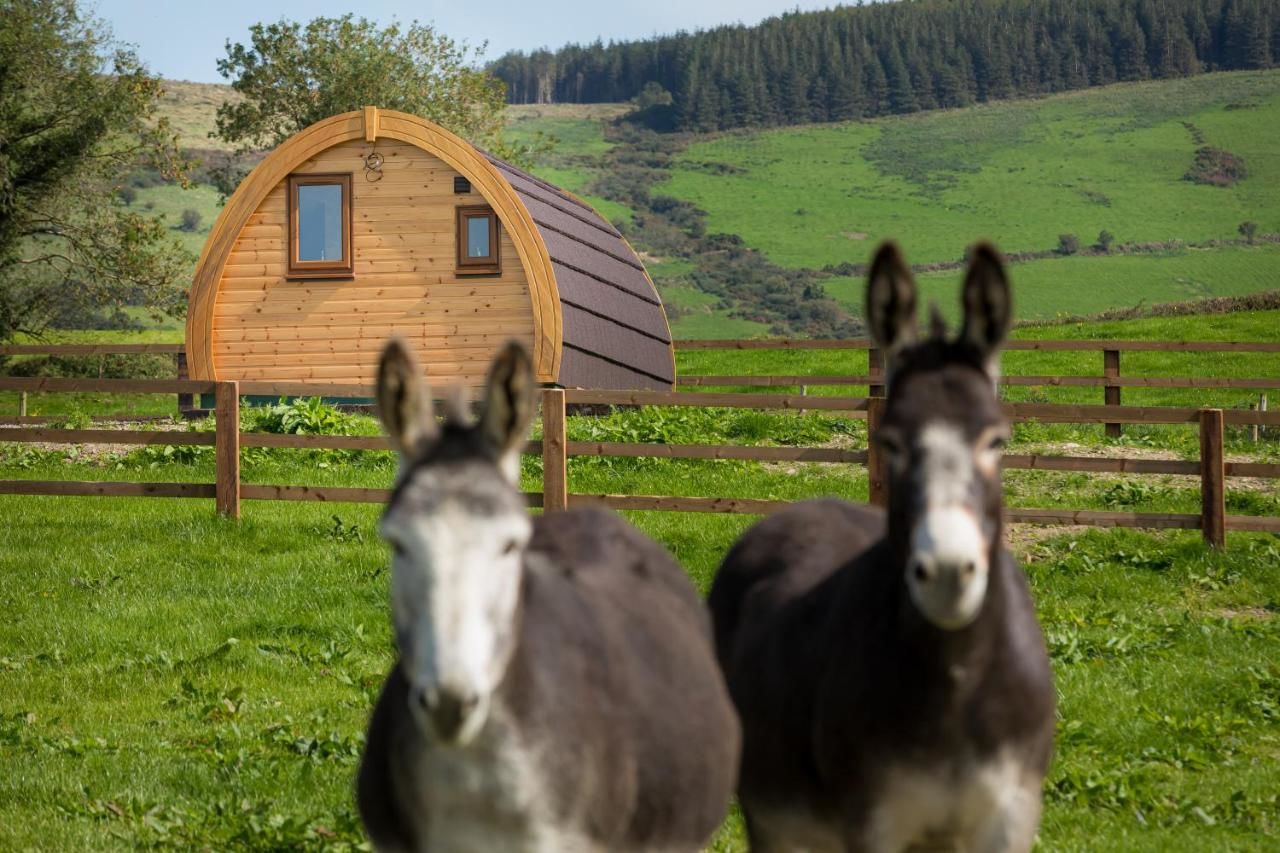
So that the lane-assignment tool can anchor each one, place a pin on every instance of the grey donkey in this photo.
(889, 670)
(556, 687)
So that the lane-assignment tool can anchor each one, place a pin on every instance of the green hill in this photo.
(1020, 172)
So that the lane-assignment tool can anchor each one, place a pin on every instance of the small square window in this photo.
(478, 241)
(320, 226)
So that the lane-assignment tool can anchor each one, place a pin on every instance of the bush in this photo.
(1105, 239)
(1068, 244)
(1248, 230)
(127, 194)
(310, 416)
(191, 220)
(1216, 168)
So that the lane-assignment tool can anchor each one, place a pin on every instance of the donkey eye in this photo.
(510, 547)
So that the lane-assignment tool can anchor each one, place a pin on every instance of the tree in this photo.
(1248, 230)
(1105, 240)
(77, 114)
(190, 220)
(292, 75)
(1068, 244)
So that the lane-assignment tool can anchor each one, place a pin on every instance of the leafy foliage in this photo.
(77, 114)
(292, 75)
(303, 415)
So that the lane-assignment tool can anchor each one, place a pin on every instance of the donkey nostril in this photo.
(921, 573)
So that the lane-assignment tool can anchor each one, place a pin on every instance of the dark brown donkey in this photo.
(889, 671)
(556, 688)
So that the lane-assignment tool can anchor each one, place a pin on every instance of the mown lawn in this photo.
(172, 680)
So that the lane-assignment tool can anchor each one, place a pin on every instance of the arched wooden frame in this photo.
(372, 124)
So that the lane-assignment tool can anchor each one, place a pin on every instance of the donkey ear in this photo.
(510, 399)
(891, 300)
(404, 403)
(988, 306)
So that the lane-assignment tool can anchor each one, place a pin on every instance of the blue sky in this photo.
(183, 40)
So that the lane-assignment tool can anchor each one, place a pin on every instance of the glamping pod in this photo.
(375, 222)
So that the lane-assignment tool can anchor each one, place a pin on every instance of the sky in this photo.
(183, 40)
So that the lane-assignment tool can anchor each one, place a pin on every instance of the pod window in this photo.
(320, 226)
(478, 241)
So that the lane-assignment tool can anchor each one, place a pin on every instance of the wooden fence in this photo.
(1111, 381)
(228, 490)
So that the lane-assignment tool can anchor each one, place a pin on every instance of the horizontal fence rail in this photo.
(92, 349)
(555, 449)
(1047, 345)
(1111, 381)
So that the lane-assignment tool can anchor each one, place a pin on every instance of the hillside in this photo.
(191, 108)
(897, 58)
(819, 197)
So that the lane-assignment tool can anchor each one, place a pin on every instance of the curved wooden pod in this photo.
(232, 230)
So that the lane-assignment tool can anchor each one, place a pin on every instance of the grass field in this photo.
(191, 109)
(169, 201)
(1019, 172)
(1238, 326)
(578, 134)
(171, 680)
(1073, 286)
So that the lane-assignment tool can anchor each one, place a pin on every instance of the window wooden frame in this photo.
(489, 264)
(344, 268)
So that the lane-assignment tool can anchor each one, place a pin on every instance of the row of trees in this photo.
(901, 57)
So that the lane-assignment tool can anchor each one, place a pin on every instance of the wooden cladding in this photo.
(478, 244)
(320, 225)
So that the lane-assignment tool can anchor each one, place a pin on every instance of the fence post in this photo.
(186, 402)
(1213, 494)
(555, 465)
(878, 487)
(1261, 431)
(227, 448)
(875, 367)
(1111, 393)
(22, 404)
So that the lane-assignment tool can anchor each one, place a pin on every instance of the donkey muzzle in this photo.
(450, 713)
(947, 567)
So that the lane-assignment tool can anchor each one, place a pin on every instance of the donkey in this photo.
(556, 687)
(890, 674)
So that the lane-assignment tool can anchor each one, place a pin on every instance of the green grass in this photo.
(575, 161)
(169, 201)
(1081, 285)
(578, 128)
(705, 324)
(1019, 172)
(191, 109)
(168, 679)
(1238, 326)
